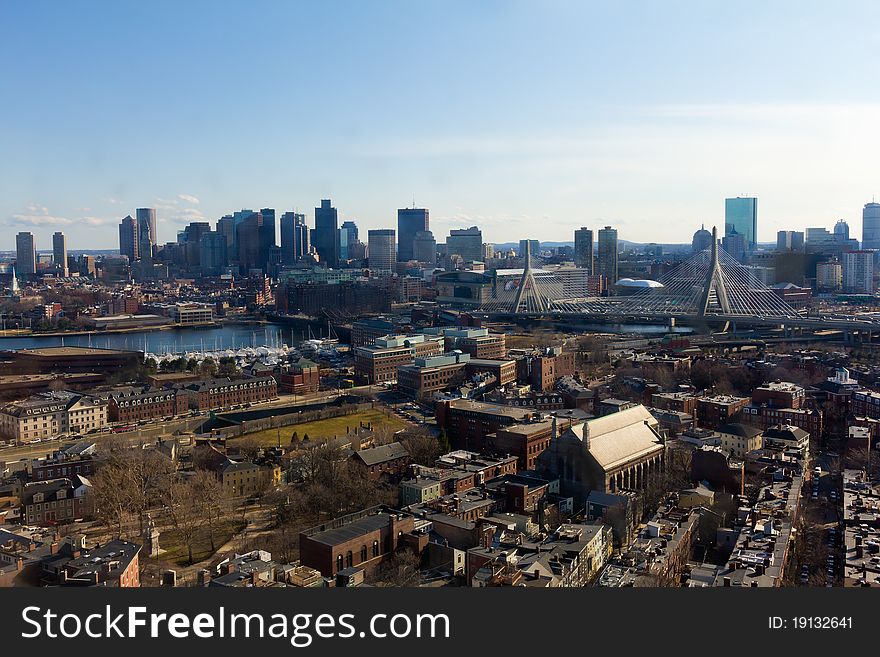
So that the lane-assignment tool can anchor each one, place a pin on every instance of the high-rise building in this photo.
(59, 253)
(409, 222)
(701, 240)
(190, 238)
(741, 216)
(790, 240)
(607, 255)
(267, 239)
(348, 236)
(829, 276)
(858, 272)
(534, 247)
(212, 253)
(380, 250)
(248, 237)
(736, 246)
(871, 226)
(128, 238)
(25, 254)
(425, 248)
(146, 232)
(583, 248)
(467, 243)
(841, 231)
(326, 239)
(294, 238)
(488, 251)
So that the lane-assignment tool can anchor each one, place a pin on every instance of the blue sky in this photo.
(528, 119)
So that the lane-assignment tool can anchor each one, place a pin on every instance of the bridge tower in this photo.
(528, 297)
(714, 281)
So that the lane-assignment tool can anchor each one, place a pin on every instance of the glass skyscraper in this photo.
(741, 218)
(871, 226)
(326, 236)
(409, 222)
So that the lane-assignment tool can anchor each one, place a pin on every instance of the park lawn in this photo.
(327, 428)
(176, 551)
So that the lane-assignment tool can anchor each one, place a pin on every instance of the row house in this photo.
(131, 404)
(223, 393)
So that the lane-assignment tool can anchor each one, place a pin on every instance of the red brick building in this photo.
(779, 394)
(712, 412)
(362, 540)
(223, 393)
(131, 404)
(298, 378)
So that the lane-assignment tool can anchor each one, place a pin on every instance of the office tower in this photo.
(607, 255)
(190, 238)
(409, 222)
(736, 246)
(248, 239)
(841, 231)
(701, 241)
(858, 272)
(467, 243)
(380, 250)
(25, 254)
(790, 240)
(871, 226)
(829, 276)
(348, 235)
(425, 248)
(741, 216)
(535, 248)
(226, 227)
(583, 249)
(488, 251)
(59, 253)
(128, 242)
(212, 253)
(267, 239)
(146, 232)
(294, 238)
(326, 238)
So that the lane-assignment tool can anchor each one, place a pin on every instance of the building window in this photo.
(363, 553)
(339, 563)
(349, 561)
(375, 548)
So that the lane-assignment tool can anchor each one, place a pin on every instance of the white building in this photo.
(858, 272)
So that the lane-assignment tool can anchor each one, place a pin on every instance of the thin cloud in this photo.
(189, 198)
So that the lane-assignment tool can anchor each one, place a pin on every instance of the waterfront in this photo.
(229, 336)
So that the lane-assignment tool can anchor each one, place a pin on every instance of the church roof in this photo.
(619, 437)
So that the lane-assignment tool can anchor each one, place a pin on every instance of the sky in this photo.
(528, 119)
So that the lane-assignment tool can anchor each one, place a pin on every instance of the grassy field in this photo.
(176, 551)
(321, 429)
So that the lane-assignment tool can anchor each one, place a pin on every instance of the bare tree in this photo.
(185, 511)
(401, 571)
(422, 446)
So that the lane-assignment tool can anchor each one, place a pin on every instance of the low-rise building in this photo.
(390, 460)
(379, 362)
(712, 412)
(56, 500)
(51, 414)
(738, 439)
(134, 403)
(223, 393)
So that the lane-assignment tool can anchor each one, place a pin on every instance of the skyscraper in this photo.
(267, 239)
(858, 272)
(871, 226)
(146, 232)
(326, 238)
(212, 253)
(607, 256)
(583, 249)
(25, 254)
(294, 238)
(380, 250)
(409, 222)
(741, 216)
(790, 240)
(841, 231)
(348, 235)
(59, 253)
(425, 248)
(248, 238)
(466, 243)
(128, 242)
(534, 245)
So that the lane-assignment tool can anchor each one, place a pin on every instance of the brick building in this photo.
(542, 368)
(298, 378)
(504, 371)
(427, 376)
(681, 402)
(131, 403)
(779, 394)
(712, 412)
(379, 362)
(391, 460)
(223, 393)
(363, 540)
(57, 500)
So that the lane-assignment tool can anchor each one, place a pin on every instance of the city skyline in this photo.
(650, 145)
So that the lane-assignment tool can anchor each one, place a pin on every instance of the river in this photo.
(230, 336)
